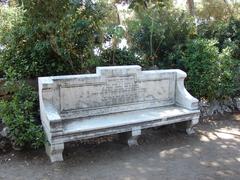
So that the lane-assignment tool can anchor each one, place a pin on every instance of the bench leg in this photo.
(134, 135)
(132, 141)
(190, 125)
(54, 151)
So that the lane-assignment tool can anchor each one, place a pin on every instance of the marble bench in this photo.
(114, 100)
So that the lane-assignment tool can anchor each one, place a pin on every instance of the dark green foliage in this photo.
(19, 114)
(111, 57)
(53, 37)
(227, 33)
(158, 32)
(138, 5)
(211, 74)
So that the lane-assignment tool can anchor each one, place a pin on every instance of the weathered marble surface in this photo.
(114, 100)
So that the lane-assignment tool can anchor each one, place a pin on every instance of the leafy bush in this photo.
(139, 5)
(227, 34)
(229, 83)
(53, 37)
(111, 57)
(157, 32)
(211, 74)
(19, 114)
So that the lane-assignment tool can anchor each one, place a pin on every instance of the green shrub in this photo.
(211, 74)
(157, 32)
(229, 83)
(227, 33)
(110, 57)
(19, 114)
(51, 38)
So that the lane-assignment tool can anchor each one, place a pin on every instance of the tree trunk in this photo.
(191, 7)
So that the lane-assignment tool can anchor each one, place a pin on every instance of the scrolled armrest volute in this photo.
(183, 97)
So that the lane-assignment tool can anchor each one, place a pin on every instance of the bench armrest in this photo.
(183, 97)
(50, 117)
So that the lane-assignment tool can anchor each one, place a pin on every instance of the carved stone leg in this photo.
(134, 135)
(190, 125)
(54, 151)
(132, 141)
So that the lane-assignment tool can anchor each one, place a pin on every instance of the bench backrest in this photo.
(112, 89)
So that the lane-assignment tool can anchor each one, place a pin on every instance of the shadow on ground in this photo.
(164, 153)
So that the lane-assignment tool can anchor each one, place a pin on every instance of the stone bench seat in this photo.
(144, 118)
(115, 100)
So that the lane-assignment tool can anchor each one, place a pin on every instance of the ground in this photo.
(164, 153)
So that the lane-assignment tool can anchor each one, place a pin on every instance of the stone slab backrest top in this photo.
(110, 90)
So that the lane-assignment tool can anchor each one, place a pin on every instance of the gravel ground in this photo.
(164, 153)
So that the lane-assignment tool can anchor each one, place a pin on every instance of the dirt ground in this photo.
(164, 153)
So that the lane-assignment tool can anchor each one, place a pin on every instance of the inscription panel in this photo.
(117, 90)
(115, 94)
(111, 92)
